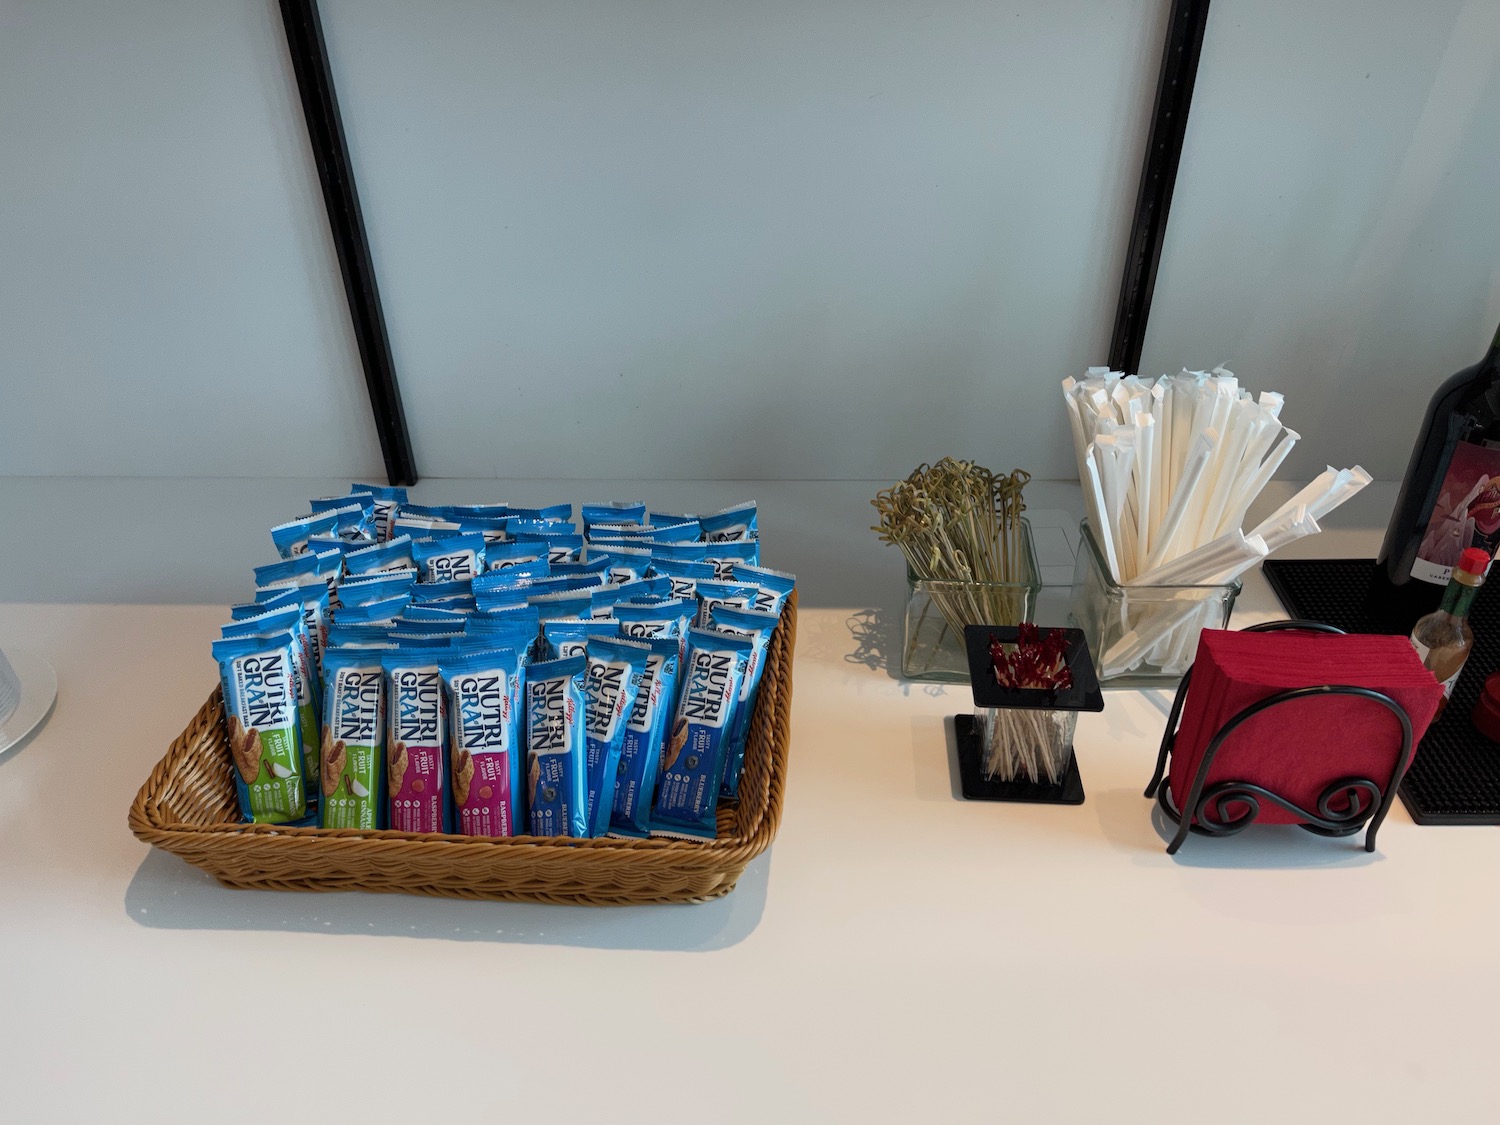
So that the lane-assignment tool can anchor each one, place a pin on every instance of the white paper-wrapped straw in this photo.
(1161, 454)
(1145, 457)
(1225, 470)
(1252, 486)
(1093, 497)
(1202, 450)
(1229, 554)
(1263, 431)
(1290, 527)
(1331, 488)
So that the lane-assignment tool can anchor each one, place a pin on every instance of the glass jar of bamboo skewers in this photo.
(969, 559)
(937, 609)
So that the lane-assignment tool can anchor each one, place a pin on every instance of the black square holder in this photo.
(1455, 776)
(1084, 695)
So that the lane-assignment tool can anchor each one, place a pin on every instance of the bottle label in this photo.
(1422, 651)
(1467, 513)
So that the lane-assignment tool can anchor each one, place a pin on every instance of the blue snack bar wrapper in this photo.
(640, 754)
(711, 595)
(556, 762)
(291, 537)
(551, 513)
(355, 514)
(684, 576)
(611, 684)
(614, 511)
(394, 554)
(288, 572)
(449, 558)
(560, 547)
(430, 593)
(375, 634)
(679, 552)
(692, 761)
(570, 638)
(512, 552)
(724, 557)
(773, 587)
(376, 588)
(387, 500)
(386, 609)
(757, 627)
(561, 605)
(734, 524)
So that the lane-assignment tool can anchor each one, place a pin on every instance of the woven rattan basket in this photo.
(188, 807)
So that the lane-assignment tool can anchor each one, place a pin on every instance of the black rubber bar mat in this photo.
(1455, 777)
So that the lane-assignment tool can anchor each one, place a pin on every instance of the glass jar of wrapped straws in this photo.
(1169, 469)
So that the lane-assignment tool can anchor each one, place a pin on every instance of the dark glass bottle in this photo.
(1449, 500)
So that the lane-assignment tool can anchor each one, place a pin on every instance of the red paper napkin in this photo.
(1297, 749)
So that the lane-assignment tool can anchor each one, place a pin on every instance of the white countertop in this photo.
(898, 955)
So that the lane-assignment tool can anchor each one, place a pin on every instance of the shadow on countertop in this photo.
(168, 893)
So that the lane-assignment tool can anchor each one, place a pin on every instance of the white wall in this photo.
(735, 239)
(744, 238)
(1336, 226)
(170, 303)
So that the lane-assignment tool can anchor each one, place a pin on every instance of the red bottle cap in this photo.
(1474, 560)
(1486, 716)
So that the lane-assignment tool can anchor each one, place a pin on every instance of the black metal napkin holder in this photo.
(1345, 806)
(1084, 695)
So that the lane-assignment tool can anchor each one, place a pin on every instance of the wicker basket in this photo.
(188, 807)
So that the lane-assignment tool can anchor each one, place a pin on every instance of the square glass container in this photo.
(1141, 636)
(1018, 744)
(932, 635)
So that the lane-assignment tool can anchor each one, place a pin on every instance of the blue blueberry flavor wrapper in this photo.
(684, 576)
(640, 754)
(611, 684)
(394, 554)
(571, 638)
(376, 588)
(562, 547)
(712, 595)
(449, 558)
(724, 557)
(291, 537)
(692, 762)
(512, 552)
(772, 587)
(550, 513)
(387, 500)
(355, 513)
(736, 523)
(757, 628)
(288, 572)
(556, 761)
(613, 511)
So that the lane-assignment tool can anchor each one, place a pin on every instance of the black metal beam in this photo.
(325, 129)
(1174, 96)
